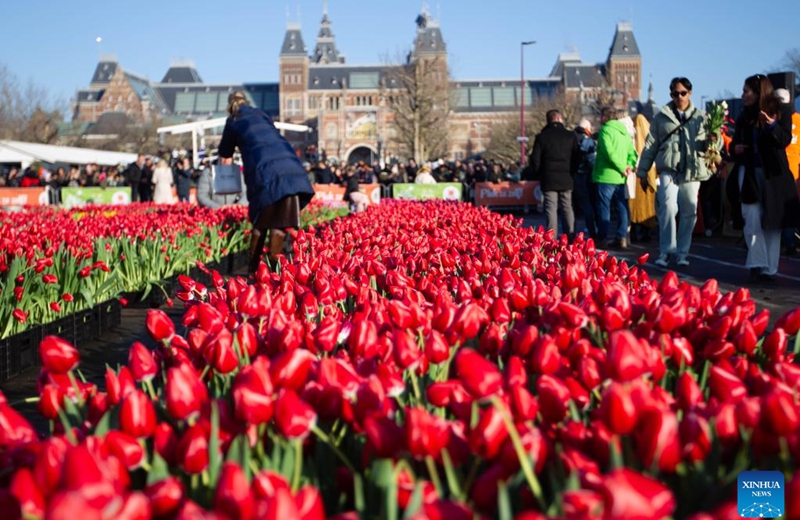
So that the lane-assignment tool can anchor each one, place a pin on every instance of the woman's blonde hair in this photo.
(236, 101)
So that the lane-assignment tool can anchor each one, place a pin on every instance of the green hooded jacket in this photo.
(615, 153)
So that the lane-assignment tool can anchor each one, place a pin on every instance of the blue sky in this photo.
(713, 42)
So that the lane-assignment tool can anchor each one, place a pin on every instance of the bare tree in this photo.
(27, 112)
(792, 61)
(418, 96)
(503, 144)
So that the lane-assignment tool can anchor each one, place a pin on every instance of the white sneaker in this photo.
(662, 261)
(683, 261)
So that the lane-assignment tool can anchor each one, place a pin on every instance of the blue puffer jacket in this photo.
(272, 170)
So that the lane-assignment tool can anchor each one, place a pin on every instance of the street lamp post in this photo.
(522, 138)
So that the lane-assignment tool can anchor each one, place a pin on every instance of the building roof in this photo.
(104, 71)
(293, 41)
(145, 91)
(88, 96)
(558, 68)
(336, 76)
(499, 95)
(429, 36)
(191, 99)
(182, 73)
(624, 44)
(325, 50)
(577, 75)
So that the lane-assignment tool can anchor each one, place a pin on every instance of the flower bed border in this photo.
(19, 352)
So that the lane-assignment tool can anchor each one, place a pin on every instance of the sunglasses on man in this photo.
(679, 93)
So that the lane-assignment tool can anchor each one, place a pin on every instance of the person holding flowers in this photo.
(277, 184)
(761, 188)
(677, 144)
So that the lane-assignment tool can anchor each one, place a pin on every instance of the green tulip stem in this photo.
(297, 444)
(415, 385)
(524, 460)
(434, 474)
(150, 390)
(74, 383)
(327, 440)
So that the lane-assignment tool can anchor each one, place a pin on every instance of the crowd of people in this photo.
(655, 175)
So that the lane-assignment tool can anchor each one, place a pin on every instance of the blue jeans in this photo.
(608, 194)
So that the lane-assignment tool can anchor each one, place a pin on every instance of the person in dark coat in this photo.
(554, 161)
(277, 184)
(182, 173)
(146, 182)
(761, 188)
(323, 174)
(133, 176)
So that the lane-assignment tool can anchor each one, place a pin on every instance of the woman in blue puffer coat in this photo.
(277, 184)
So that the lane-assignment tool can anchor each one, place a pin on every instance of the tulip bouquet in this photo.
(424, 360)
(714, 121)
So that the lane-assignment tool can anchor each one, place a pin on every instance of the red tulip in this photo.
(51, 400)
(628, 494)
(184, 392)
(14, 428)
(617, 409)
(688, 392)
(293, 417)
(126, 448)
(137, 417)
(233, 497)
(309, 504)
(582, 503)
(71, 505)
(159, 325)
(192, 450)
(384, 435)
(58, 355)
(774, 345)
(220, 353)
(165, 496)
(436, 348)
(23, 487)
(84, 472)
(488, 436)
(779, 414)
(426, 434)
(657, 439)
(119, 386)
(725, 386)
(626, 359)
(479, 376)
(290, 369)
(554, 398)
(20, 315)
(252, 393)
(141, 362)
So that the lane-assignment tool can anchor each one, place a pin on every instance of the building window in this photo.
(333, 103)
(313, 103)
(292, 107)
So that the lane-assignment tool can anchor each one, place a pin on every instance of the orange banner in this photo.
(524, 193)
(23, 197)
(335, 193)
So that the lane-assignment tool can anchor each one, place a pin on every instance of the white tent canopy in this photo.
(197, 128)
(28, 153)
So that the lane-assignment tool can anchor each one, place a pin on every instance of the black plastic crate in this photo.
(109, 314)
(21, 352)
(86, 326)
(62, 327)
(5, 360)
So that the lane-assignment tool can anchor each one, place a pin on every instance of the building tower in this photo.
(624, 64)
(325, 51)
(293, 64)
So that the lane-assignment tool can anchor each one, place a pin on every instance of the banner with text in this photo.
(71, 197)
(23, 197)
(335, 193)
(524, 193)
(442, 190)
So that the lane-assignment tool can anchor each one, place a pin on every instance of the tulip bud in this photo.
(159, 325)
(58, 355)
(293, 417)
(137, 417)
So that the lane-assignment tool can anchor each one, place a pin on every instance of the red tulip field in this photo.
(418, 361)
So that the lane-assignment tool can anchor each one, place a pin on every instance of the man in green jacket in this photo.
(675, 144)
(616, 159)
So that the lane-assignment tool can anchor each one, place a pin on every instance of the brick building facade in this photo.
(346, 105)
